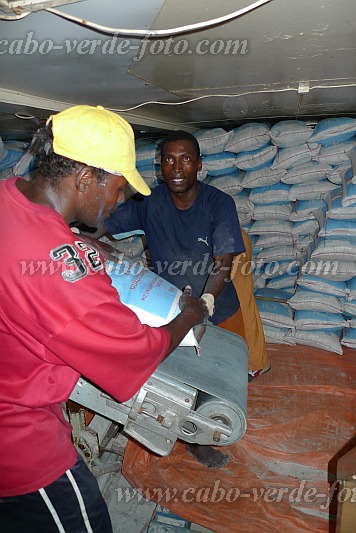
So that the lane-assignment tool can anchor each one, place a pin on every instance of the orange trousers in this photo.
(246, 322)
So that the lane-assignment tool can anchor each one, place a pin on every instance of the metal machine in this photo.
(197, 399)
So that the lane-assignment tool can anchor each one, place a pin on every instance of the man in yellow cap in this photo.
(61, 318)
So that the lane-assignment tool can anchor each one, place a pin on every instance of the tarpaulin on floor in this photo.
(301, 418)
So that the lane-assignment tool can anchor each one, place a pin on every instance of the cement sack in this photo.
(334, 249)
(285, 282)
(311, 191)
(325, 340)
(336, 154)
(335, 209)
(153, 299)
(219, 164)
(212, 141)
(306, 173)
(276, 335)
(288, 133)
(280, 210)
(308, 210)
(228, 183)
(275, 314)
(262, 177)
(247, 137)
(256, 159)
(297, 155)
(304, 300)
(315, 283)
(319, 320)
(270, 193)
(335, 130)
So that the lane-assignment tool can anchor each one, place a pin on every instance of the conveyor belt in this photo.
(198, 399)
(220, 371)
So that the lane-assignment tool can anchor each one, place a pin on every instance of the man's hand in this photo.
(193, 312)
(186, 292)
(210, 301)
(191, 304)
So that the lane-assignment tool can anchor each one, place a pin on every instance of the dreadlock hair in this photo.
(51, 166)
(181, 135)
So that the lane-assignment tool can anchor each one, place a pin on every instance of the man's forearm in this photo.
(219, 276)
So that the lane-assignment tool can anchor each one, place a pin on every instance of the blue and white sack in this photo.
(289, 133)
(153, 299)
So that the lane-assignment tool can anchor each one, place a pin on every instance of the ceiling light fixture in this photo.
(24, 116)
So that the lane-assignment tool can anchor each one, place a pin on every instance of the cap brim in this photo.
(137, 182)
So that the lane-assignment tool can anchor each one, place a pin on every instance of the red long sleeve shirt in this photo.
(59, 318)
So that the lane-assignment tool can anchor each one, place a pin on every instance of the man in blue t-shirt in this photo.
(193, 233)
(192, 229)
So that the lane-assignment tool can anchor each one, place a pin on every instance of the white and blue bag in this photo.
(153, 299)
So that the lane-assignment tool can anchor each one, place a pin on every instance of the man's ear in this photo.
(84, 179)
(200, 163)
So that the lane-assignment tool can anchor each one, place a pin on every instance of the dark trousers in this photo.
(71, 504)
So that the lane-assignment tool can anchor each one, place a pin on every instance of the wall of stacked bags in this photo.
(295, 191)
(15, 159)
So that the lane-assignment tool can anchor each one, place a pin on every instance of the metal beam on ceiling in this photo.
(48, 105)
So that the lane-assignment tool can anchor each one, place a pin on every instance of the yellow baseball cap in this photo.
(99, 138)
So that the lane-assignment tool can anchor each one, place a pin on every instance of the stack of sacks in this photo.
(333, 261)
(283, 240)
(286, 173)
(324, 299)
(12, 159)
(219, 166)
(221, 151)
(253, 152)
(276, 315)
(324, 315)
(212, 141)
(337, 245)
(337, 137)
(148, 161)
(258, 280)
(273, 230)
(318, 319)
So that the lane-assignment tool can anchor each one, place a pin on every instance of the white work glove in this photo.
(209, 300)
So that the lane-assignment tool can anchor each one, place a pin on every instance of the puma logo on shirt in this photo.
(200, 239)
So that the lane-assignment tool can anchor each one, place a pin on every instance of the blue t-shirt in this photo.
(183, 243)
